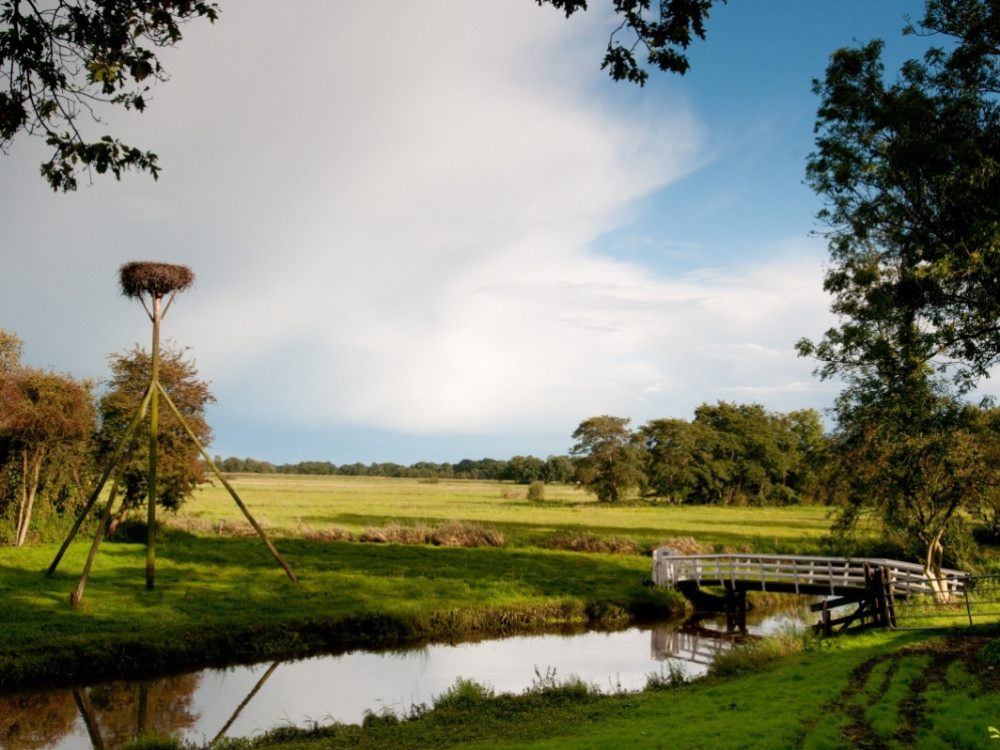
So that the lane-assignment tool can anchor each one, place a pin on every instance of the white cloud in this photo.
(391, 209)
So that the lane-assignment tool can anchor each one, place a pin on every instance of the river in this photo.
(246, 700)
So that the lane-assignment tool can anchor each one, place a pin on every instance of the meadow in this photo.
(566, 562)
(289, 505)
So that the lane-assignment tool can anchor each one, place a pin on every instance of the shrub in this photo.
(587, 543)
(463, 695)
(536, 491)
(450, 534)
(756, 656)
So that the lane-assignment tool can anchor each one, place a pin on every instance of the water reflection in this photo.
(246, 700)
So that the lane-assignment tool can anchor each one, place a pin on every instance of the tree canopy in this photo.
(46, 422)
(664, 32)
(608, 462)
(180, 468)
(909, 170)
(62, 61)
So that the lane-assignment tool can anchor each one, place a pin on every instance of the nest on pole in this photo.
(156, 279)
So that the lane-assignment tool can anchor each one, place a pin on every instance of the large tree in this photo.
(909, 170)
(910, 463)
(733, 454)
(46, 423)
(608, 459)
(62, 60)
(180, 468)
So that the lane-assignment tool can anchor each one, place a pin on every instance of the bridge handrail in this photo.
(670, 568)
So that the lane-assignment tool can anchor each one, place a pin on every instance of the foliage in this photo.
(46, 423)
(664, 33)
(11, 349)
(913, 464)
(536, 491)
(524, 469)
(608, 462)
(179, 466)
(733, 454)
(910, 176)
(61, 60)
(519, 469)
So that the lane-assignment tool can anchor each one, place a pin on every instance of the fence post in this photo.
(968, 607)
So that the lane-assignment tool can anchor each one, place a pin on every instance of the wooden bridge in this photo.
(872, 583)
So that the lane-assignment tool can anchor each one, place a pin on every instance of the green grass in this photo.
(820, 697)
(294, 505)
(222, 598)
(226, 598)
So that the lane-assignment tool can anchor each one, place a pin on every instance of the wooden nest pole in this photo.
(140, 280)
(150, 283)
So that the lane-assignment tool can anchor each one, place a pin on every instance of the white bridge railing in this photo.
(801, 574)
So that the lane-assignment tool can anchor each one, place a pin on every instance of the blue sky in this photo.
(437, 230)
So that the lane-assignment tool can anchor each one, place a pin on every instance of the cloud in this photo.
(393, 210)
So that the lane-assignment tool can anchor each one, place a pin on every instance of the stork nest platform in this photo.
(155, 279)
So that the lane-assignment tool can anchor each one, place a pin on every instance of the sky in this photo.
(436, 230)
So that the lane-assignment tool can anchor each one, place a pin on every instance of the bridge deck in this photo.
(832, 576)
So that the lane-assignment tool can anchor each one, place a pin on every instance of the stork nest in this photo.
(156, 279)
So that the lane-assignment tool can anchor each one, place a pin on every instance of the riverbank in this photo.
(878, 689)
(224, 600)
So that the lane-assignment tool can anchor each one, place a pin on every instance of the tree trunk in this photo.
(933, 561)
(28, 492)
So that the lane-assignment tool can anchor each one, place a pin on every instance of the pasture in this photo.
(290, 505)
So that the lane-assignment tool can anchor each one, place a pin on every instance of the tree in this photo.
(559, 470)
(910, 174)
(46, 422)
(180, 468)
(11, 349)
(524, 469)
(60, 60)
(912, 463)
(608, 460)
(670, 458)
(663, 33)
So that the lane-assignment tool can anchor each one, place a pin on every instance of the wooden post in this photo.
(211, 464)
(92, 500)
(154, 414)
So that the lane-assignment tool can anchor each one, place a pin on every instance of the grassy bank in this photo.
(877, 690)
(223, 599)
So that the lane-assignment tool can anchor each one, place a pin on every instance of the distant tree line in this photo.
(519, 469)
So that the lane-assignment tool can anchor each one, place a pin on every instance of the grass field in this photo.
(297, 505)
(221, 597)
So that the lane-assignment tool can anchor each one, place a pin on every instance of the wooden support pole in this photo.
(102, 528)
(154, 415)
(211, 464)
(125, 440)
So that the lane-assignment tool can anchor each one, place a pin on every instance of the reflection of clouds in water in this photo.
(342, 688)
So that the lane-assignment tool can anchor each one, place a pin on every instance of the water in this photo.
(246, 700)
